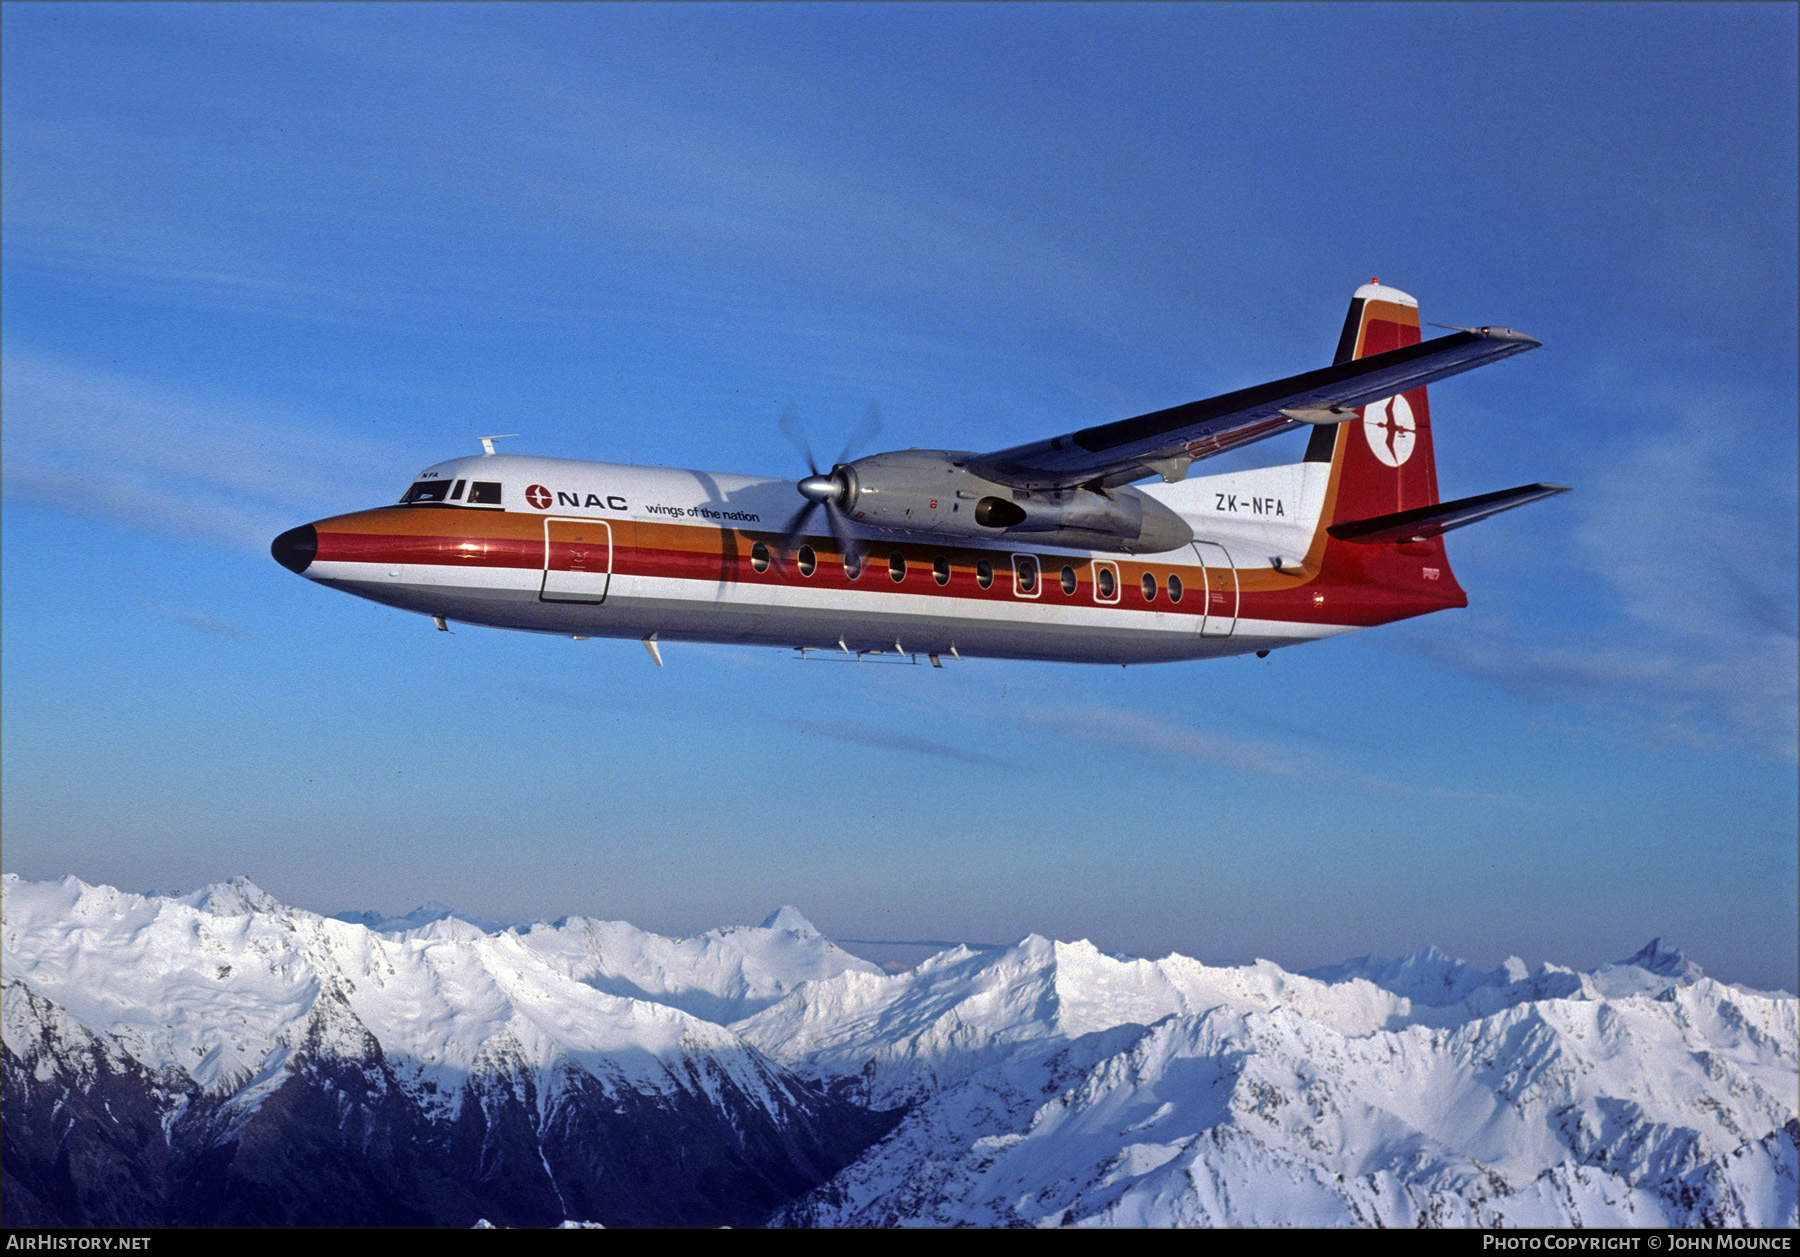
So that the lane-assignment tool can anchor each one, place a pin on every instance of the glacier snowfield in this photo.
(220, 1057)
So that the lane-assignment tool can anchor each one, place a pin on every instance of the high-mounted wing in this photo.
(1131, 449)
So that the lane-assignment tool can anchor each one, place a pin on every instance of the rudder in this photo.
(1383, 459)
(1382, 462)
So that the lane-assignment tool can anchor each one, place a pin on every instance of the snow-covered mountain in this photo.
(220, 1057)
(421, 916)
(1050, 1084)
(721, 976)
(265, 1043)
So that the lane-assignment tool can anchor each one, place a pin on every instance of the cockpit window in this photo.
(481, 492)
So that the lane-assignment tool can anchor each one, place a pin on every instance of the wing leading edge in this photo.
(1165, 441)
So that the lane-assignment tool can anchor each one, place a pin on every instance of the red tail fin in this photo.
(1383, 461)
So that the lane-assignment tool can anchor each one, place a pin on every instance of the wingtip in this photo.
(1511, 334)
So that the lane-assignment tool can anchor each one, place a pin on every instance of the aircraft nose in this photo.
(296, 548)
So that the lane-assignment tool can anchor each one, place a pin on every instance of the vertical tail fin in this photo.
(1382, 460)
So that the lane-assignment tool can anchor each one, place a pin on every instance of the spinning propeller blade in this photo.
(790, 425)
(827, 489)
(848, 549)
(866, 431)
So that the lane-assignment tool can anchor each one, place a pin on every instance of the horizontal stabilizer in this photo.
(1435, 520)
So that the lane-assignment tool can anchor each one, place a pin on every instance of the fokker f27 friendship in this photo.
(1048, 550)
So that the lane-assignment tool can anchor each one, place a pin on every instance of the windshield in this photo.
(426, 491)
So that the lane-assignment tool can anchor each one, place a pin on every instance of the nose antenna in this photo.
(487, 442)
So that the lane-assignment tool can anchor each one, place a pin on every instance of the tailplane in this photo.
(1434, 521)
(1382, 519)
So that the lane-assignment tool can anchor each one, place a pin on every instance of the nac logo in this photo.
(1389, 427)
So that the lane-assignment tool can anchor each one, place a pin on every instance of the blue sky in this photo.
(263, 263)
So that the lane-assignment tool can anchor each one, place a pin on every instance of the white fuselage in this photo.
(587, 549)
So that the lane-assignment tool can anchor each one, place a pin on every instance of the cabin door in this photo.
(577, 560)
(1221, 590)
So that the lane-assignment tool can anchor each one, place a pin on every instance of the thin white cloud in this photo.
(1686, 533)
(877, 738)
(517, 142)
(210, 624)
(1135, 730)
(1141, 732)
(101, 444)
(192, 513)
(1030, 706)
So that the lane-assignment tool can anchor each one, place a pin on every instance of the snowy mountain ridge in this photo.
(272, 1058)
(578, 1068)
(1050, 1084)
(215, 981)
(222, 984)
(422, 917)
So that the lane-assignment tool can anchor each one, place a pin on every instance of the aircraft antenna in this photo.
(487, 442)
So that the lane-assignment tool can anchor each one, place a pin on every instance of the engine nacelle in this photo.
(930, 492)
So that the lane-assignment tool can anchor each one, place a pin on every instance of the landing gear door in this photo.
(1220, 619)
(577, 560)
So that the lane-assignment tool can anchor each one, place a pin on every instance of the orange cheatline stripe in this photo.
(1263, 595)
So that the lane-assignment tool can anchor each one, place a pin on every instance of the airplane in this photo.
(1050, 550)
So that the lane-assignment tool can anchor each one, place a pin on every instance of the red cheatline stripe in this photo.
(1358, 604)
(349, 547)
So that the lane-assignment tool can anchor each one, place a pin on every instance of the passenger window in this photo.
(1174, 587)
(759, 557)
(484, 493)
(940, 570)
(1106, 583)
(1025, 575)
(897, 566)
(808, 560)
(852, 566)
(984, 573)
(1149, 587)
(1068, 580)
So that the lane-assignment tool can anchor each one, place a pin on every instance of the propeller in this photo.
(825, 489)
